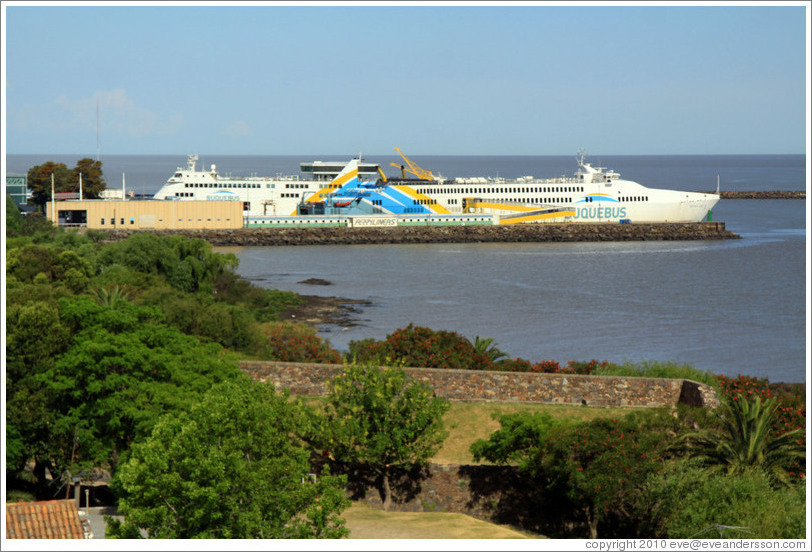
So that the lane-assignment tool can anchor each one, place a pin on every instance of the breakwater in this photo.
(574, 232)
(765, 194)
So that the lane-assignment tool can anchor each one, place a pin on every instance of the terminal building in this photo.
(100, 214)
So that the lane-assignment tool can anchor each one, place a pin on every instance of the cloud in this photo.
(238, 128)
(117, 113)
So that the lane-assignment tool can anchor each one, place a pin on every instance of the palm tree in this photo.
(111, 295)
(486, 346)
(743, 442)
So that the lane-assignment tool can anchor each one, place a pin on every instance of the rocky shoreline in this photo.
(573, 232)
(769, 194)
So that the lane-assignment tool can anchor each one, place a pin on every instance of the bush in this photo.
(791, 411)
(296, 342)
(423, 348)
(685, 501)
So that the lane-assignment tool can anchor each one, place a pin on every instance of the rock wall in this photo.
(468, 385)
(452, 234)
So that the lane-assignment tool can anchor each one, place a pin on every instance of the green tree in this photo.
(92, 178)
(520, 440)
(378, 419)
(599, 466)
(743, 442)
(233, 467)
(39, 181)
(122, 370)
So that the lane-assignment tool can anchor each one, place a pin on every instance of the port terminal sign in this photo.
(372, 221)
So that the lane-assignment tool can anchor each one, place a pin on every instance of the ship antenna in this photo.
(98, 146)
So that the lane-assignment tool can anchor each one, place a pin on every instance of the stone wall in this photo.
(574, 232)
(468, 385)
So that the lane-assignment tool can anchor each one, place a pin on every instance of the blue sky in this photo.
(431, 79)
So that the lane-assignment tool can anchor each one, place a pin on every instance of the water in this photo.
(147, 173)
(731, 307)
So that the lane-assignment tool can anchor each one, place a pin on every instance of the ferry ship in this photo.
(593, 194)
(261, 196)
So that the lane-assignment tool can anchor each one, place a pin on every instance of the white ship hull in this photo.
(592, 195)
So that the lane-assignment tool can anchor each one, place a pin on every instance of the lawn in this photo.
(468, 421)
(365, 522)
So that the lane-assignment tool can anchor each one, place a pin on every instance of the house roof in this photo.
(51, 519)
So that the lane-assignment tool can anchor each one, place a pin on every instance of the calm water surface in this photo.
(733, 306)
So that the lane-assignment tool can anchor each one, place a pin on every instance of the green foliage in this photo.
(600, 465)
(187, 264)
(265, 304)
(39, 181)
(92, 178)
(296, 342)
(232, 467)
(657, 369)
(122, 370)
(379, 419)
(486, 347)
(686, 500)
(14, 219)
(199, 314)
(745, 441)
(520, 440)
(421, 347)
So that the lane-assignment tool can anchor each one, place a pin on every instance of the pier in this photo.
(520, 233)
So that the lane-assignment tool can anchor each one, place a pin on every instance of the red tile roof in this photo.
(52, 519)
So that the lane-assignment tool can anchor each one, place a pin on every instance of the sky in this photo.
(430, 78)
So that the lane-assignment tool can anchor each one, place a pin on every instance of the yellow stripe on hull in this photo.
(504, 206)
(435, 207)
(318, 197)
(535, 218)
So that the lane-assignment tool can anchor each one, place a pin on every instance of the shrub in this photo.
(296, 342)
(421, 347)
(790, 413)
(686, 501)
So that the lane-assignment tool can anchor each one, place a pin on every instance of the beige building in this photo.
(146, 214)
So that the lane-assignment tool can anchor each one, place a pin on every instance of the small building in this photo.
(100, 214)
(51, 519)
(17, 188)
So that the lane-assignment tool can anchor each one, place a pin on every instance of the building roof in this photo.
(51, 519)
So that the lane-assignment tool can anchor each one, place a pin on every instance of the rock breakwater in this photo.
(452, 234)
(765, 194)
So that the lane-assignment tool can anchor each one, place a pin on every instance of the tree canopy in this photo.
(65, 179)
(232, 467)
(377, 418)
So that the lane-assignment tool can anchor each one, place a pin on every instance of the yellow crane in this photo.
(414, 168)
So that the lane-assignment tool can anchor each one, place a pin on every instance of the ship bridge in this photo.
(328, 170)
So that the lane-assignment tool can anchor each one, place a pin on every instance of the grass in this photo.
(659, 369)
(365, 522)
(468, 421)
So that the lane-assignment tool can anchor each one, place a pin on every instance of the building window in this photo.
(102, 222)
